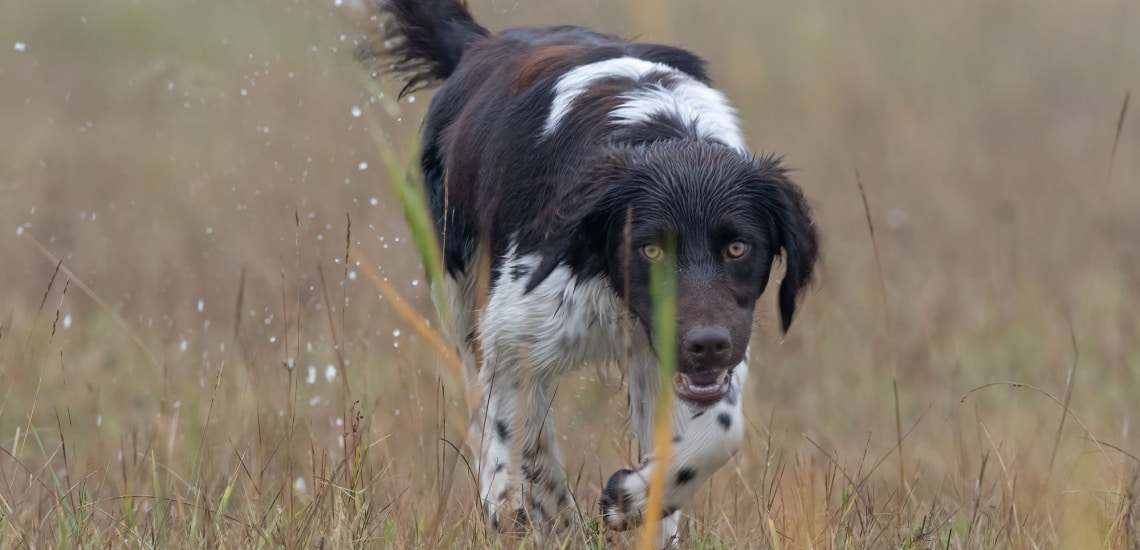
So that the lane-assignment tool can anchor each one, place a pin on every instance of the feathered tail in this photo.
(422, 40)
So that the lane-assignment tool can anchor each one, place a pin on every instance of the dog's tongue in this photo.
(704, 378)
(702, 387)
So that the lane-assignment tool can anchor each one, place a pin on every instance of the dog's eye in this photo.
(652, 252)
(736, 249)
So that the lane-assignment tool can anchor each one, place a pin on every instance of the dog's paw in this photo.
(504, 511)
(622, 500)
(546, 511)
(504, 520)
(624, 503)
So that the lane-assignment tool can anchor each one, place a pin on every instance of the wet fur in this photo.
(553, 156)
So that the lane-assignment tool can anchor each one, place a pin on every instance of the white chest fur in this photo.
(561, 324)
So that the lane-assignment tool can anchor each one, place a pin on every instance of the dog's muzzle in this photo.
(706, 386)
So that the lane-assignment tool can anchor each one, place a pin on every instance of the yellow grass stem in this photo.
(226, 494)
(663, 279)
(409, 314)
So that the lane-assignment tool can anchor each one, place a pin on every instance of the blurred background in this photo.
(195, 169)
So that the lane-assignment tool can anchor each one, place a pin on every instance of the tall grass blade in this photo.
(663, 292)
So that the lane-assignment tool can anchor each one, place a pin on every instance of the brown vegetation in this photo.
(187, 359)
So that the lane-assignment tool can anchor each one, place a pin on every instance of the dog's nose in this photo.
(707, 346)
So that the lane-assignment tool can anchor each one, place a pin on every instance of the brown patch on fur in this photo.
(542, 61)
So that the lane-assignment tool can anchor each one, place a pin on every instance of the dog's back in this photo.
(499, 139)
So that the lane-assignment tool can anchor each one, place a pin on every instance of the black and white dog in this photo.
(566, 160)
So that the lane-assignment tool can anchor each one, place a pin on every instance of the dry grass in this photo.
(187, 359)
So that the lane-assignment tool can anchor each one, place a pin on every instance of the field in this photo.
(212, 314)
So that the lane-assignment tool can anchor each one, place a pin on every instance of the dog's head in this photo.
(721, 217)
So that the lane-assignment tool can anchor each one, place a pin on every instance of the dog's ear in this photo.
(584, 221)
(555, 250)
(794, 231)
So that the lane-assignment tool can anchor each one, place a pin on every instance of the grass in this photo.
(663, 292)
(191, 354)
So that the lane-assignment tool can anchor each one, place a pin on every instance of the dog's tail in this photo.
(422, 40)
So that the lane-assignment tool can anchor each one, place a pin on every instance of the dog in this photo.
(562, 164)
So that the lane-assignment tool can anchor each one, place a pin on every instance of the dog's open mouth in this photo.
(703, 387)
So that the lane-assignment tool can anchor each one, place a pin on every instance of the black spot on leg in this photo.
(698, 414)
(725, 420)
(499, 467)
(501, 428)
(677, 439)
(495, 523)
(533, 473)
(503, 495)
(554, 488)
(519, 271)
(685, 475)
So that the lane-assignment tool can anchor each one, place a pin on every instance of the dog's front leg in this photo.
(521, 478)
(705, 437)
